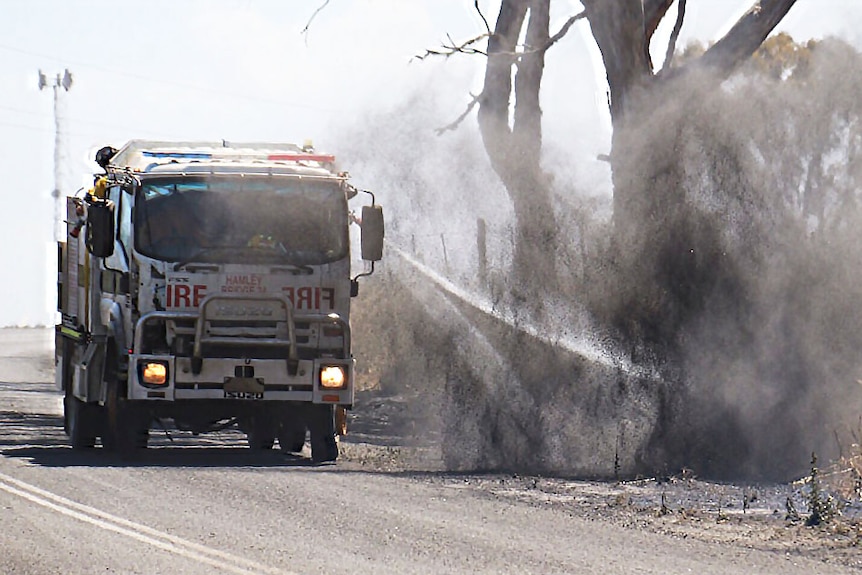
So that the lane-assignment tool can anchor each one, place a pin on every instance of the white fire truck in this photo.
(209, 284)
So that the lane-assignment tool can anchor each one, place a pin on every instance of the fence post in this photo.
(482, 248)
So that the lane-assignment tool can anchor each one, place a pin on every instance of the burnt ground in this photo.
(385, 435)
(399, 426)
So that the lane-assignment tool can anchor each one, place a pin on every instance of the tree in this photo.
(734, 266)
(674, 275)
(734, 269)
(623, 30)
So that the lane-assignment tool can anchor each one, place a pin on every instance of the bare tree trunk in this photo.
(515, 150)
(619, 30)
(623, 29)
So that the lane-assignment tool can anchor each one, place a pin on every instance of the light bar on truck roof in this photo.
(234, 155)
(178, 155)
(322, 158)
(144, 155)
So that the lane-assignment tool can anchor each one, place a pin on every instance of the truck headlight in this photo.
(153, 373)
(332, 377)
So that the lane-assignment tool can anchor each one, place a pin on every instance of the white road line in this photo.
(137, 531)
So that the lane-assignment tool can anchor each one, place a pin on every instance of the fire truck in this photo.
(208, 285)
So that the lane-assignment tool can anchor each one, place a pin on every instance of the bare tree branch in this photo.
(674, 36)
(746, 35)
(451, 127)
(313, 16)
(452, 48)
(563, 31)
(485, 20)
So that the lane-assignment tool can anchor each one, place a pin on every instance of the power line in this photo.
(162, 81)
(95, 131)
(88, 133)
(74, 121)
(23, 111)
(24, 127)
(77, 124)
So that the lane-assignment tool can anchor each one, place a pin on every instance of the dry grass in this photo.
(844, 477)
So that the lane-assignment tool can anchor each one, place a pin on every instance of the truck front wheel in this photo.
(79, 421)
(259, 440)
(321, 425)
(260, 433)
(126, 428)
(291, 436)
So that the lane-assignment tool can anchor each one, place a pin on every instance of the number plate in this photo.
(243, 395)
(243, 388)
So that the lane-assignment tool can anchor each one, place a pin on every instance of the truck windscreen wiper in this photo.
(197, 255)
(295, 269)
(279, 249)
(299, 269)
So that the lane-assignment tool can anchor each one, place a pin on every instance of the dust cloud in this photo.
(717, 329)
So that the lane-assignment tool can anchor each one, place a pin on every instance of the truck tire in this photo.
(260, 441)
(291, 437)
(321, 425)
(260, 434)
(126, 428)
(79, 421)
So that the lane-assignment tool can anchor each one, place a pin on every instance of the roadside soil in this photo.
(383, 437)
(396, 427)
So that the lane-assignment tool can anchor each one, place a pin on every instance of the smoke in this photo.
(501, 387)
(719, 331)
(740, 253)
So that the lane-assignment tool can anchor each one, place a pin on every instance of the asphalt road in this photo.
(207, 505)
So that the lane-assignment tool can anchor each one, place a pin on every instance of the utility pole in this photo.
(64, 82)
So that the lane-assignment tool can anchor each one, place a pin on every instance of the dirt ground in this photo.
(769, 517)
(395, 429)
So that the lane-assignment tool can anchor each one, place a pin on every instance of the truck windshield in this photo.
(241, 219)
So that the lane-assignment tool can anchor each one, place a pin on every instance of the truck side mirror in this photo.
(372, 233)
(100, 228)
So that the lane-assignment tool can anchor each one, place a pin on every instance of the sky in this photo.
(244, 70)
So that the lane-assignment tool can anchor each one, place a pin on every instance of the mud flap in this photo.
(87, 375)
